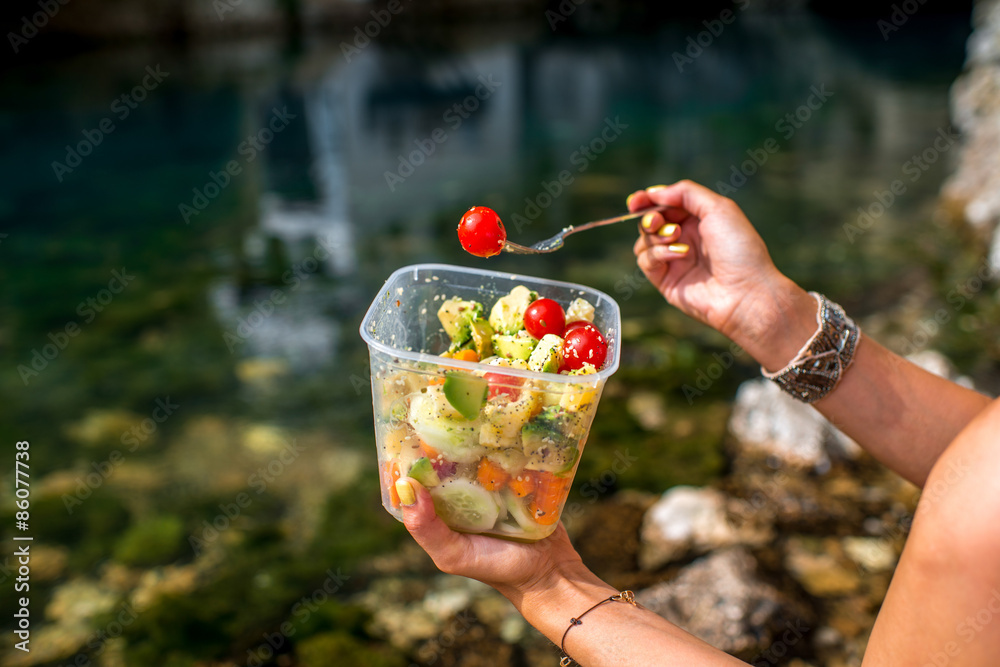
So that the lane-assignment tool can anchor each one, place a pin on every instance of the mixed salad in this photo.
(496, 451)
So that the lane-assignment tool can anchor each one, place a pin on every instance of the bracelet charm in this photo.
(818, 367)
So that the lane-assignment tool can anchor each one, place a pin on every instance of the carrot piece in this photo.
(522, 484)
(429, 451)
(390, 473)
(550, 492)
(490, 475)
(466, 355)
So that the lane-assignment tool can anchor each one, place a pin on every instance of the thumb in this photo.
(421, 521)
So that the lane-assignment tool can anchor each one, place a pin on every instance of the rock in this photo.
(689, 520)
(51, 643)
(408, 611)
(404, 625)
(872, 553)
(265, 439)
(768, 420)
(648, 408)
(261, 373)
(812, 563)
(792, 499)
(47, 563)
(607, 533)
(720, 599)
(80, 600)
(104, 427)
(974, 189)
(169, 580)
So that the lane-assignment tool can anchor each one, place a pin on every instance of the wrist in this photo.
(777, 322)
(552, 598)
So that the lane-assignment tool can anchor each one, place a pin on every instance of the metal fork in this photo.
(556, 242)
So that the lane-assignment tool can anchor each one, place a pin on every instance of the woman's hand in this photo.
(706, 259)
(510, 567)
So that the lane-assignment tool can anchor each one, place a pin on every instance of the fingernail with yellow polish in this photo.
(656, 187)
(668, 230)
(647, 220)
(628, 200)
(405, 492)
(679, 248)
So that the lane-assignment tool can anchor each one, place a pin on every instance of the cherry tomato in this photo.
(544, 316)
(576, 324)
(481, 233)
(584, 345)
(503, 384)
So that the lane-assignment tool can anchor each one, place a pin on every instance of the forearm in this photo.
(615, 633)
(903, 415)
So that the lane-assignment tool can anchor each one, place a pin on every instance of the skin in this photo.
(943, 606)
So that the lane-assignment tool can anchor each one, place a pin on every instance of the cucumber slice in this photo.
(423, 471)
(453, 436)
(466, 393)
(519, 512)
(466, 506)
(511, 460)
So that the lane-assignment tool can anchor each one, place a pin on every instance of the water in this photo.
(245, 265)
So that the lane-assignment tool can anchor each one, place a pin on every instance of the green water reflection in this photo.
(245, 314)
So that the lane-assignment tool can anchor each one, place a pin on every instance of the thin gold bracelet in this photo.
(624, 596)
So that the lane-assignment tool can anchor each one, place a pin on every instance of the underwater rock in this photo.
(974, 189)
(48, 563)
(813, 562)
(169, 580)
(105, 427)
(648, 408)
(767, 419)
(720, 599)
(690, 520)
(80, 600)
(872, 553)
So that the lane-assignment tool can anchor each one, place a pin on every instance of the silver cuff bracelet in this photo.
(819, 365)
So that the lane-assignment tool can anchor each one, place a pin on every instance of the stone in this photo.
(80, 600)
(169, 580)
(47, 563)
(973, 190)
(688, 520)
(261, 372)
(51, 643)
(648, 408)
(767, 420)
(104, 427)
(811, 562)
(721, 600)
(872, 553)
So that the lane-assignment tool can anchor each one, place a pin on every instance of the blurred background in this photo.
(200, 199)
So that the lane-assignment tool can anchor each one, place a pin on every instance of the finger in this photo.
(424, 525)
(654, 270)
(669, 252)
(653, 223)
(637, 201)
(692, 197)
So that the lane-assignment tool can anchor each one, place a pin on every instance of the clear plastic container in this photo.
(508, 471)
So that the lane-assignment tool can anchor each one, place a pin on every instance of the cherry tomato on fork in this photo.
(481, 232)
